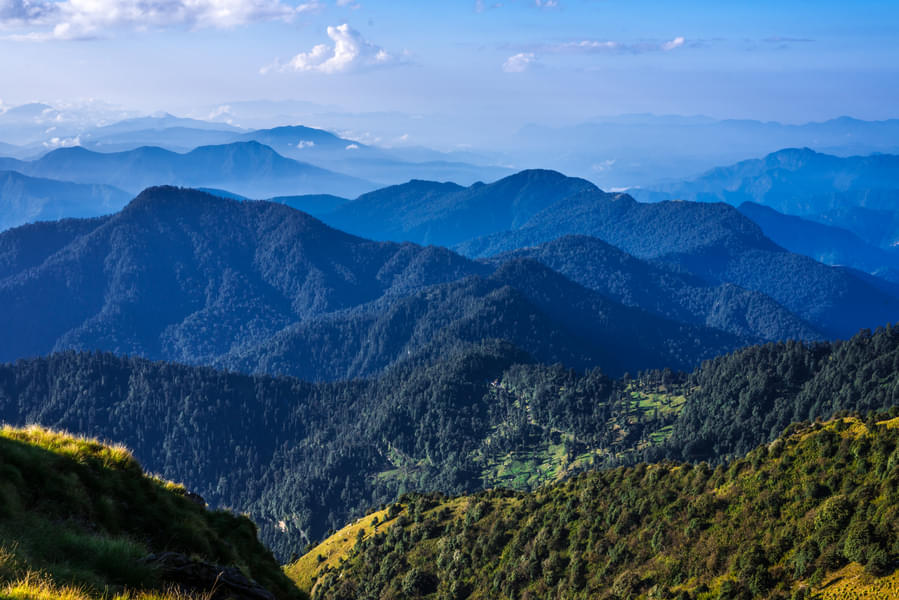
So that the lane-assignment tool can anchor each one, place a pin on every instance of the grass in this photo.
(328, 554)
(80, 449)
(77, 516)
(548, 463)
(333, 551)
(35, 587)
(531, 469)
(852, 583)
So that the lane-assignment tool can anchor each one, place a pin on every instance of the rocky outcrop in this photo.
(217, 582)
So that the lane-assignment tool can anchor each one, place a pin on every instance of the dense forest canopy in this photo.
(299, 459)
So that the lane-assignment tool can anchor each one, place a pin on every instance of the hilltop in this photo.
(80, 519)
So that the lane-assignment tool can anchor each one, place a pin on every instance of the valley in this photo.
(366, 300)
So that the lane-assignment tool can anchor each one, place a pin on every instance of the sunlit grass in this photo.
(79, 448)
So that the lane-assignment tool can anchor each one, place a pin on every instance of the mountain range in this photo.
(648, 150)
(712, 242)
(627, 398)
(427, 212)
(261, 287)
(825, 243)
(247, 168)
(797, 181)
(26, 199)
(187, 276)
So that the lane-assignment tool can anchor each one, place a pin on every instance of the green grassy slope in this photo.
(78, 518)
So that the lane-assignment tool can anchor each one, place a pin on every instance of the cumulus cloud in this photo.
(349, 52)
(57, 142)
(520, 62)
(84, 19)
(305, 144)
(18, 12)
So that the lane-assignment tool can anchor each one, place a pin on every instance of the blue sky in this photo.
(474, 63)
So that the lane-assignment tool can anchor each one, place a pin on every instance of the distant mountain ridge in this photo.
(797, 181)
(247, 168)
(649, 150)
(26, 199)
(183, 275)
(428, 212)
(828, 244)
(675, 295)
(714, 242)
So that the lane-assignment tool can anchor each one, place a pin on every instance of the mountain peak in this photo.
(160, 195)
(541, 175)
(792, 158)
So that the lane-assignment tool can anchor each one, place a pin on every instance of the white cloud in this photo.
(519, 62)
(353, 147)
(675, 43)
(56, 142)
(612, 47)
(305, 144)
(546, 3)
(84, 19)
(349, 52)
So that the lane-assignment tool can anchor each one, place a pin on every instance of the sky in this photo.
(471, 65)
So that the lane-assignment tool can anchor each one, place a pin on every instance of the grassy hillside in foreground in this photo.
(79, 519)
(781, 522)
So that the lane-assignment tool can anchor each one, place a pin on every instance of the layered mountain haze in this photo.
(247, 168)
(183, 275)
(879, 227)
(793, 181)
(305, 144)
(825, 243)
(316, 205)
(714, 242)
(525, 300)
(26, 199)
(428, 212)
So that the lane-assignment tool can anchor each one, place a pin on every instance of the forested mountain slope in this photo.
(187, 276)
(182, 275)
(774, 524)
(714, 242)
(828, 244)
(445, 213)
(301, 460)
(522, 302)
(664, 291)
